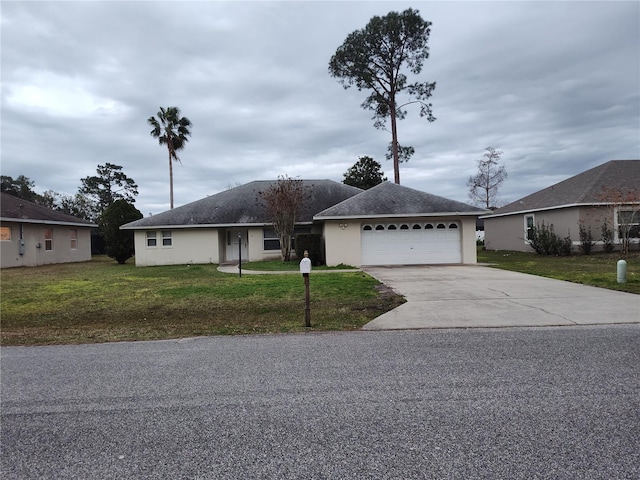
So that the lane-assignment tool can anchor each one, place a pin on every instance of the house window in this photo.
(416, 226)
(404, 227)
(74, 239)
(379, 227)
(166, 238)
(48, 239)
(392, 227)
(441, 225)
(5, 233)
(453, 225)
(151, 239)
(428, 226)
(270, 240)
(528, 227)
(366, 227)
(628, 221)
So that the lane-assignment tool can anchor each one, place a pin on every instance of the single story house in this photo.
(31, 235)
(388, 224)
(586, 199)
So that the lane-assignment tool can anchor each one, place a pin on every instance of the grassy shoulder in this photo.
(598, 269)
(101, 301)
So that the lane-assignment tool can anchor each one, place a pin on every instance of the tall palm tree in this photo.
(171, 130)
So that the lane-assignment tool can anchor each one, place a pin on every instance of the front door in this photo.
(237, 244)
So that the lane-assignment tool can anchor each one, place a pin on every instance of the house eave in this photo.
(47, 222)
(397, 215)
(554, 207)
(205, 225)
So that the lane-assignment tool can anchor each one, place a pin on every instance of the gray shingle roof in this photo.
(390, 199)
(585, 188)
(14, 209)
(244, 205)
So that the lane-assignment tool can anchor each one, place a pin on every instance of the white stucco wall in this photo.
(342, 243)
(34, 245)
(469, 247)
(188, 245)
(257, 252)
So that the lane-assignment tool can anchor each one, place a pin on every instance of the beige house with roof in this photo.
(388, 224)
(32, 235)
(584, 199)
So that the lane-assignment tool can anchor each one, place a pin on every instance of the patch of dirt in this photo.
(385, 291)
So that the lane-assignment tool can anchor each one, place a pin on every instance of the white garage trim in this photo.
(411, 243)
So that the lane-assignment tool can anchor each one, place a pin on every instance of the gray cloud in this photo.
(555, 85)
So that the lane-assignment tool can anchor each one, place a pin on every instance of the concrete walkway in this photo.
(478, 296)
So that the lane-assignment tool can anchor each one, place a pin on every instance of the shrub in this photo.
(607, 237)
(544, 241)
(311, 242)
(586, 239)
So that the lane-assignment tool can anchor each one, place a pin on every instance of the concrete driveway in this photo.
(478, 296)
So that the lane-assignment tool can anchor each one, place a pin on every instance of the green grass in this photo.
(101, 301)
(599, 269)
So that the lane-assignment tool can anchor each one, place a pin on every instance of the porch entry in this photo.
(233, 250)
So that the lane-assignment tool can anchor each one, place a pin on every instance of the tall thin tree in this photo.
(173, 131)
(378, 58)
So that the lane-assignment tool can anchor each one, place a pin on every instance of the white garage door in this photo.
(411, 243)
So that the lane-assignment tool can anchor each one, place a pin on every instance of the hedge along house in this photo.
(222, 227)
(390, 224)
(32, 235)
(586, 199)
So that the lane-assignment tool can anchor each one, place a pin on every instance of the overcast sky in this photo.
(554, 85)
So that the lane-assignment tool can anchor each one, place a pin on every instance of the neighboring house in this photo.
(388, 224)
(33, 235)
(579, 200)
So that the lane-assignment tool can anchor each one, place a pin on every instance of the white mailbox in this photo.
(305, 266)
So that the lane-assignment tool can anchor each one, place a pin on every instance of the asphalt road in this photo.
(520, 403)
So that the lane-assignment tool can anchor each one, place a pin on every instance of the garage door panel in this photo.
(411, 246)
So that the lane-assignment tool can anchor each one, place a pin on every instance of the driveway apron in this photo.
(479, 296)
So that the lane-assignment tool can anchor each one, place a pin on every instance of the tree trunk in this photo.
(170, 182)
(394, 146)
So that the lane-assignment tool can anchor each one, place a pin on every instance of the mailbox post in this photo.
(305, 270)
(240, 254)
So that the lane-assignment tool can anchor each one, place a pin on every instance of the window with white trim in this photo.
(48, 239)
(166, 238)
(152, 241)
(73, 237)
(529, 223)
(628, 223)
(270, 240)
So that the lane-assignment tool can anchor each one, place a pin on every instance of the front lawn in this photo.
(101, 301)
